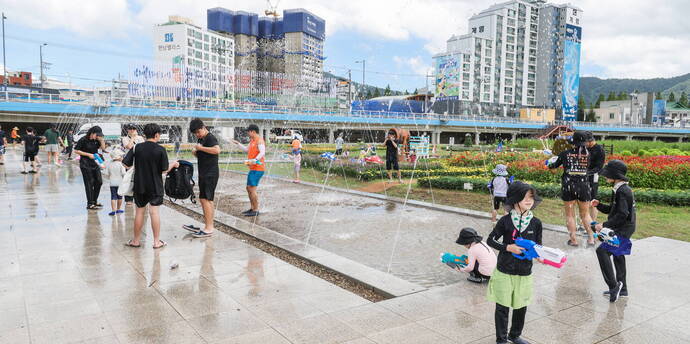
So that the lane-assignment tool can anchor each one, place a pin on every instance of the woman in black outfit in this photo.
(87, 147)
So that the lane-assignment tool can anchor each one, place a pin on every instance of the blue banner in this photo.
(571, 72)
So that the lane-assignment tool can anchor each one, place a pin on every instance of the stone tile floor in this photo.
(65, 277)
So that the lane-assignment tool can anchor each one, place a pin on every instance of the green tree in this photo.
(612, 96)
(407, 93)
(369, 95)
(387, 91)
(377, 93)
(683, 99)
(581, 109)
(671, 97)
(415, 91)
(658, 96)
(622, 96)
(599, 100)
(591, 116)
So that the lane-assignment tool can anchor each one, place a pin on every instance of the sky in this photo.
(92, 41)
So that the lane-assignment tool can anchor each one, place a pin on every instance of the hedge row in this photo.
(665, 197)
(378, 171)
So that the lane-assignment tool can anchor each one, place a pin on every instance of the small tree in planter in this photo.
(468, 140)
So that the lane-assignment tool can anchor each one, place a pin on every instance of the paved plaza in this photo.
(66, 277)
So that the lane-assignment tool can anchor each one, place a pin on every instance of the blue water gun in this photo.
(99, 160)
(329, 156)
(550, 256)
(454, 261)
(606, 235)
(529, 252)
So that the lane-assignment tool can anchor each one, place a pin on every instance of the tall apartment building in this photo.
(291, 44)
(190, 62)
(494, 68)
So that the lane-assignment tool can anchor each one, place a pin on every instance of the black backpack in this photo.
(179, 183)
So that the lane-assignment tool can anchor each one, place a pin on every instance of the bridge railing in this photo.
(107, 101)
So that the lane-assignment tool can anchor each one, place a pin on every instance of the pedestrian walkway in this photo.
(66, 277)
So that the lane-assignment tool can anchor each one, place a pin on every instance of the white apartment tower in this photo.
(494, 67)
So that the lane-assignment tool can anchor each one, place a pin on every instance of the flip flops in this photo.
(129, 244)
(574, 244)
(163, 244)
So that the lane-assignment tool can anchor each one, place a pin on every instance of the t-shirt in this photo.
(391, 150)
(575, 161)
(14, 134)
(115, 171)
(482, 255)
(70, 140)
(296, 147)
(150, 160)
(208, 163)
(597, 156)
(2, 138)
(499, 186)
(88, 146)
(253, 152)
(339, 143)
(31, 143)
(126, 140)
(51, 136)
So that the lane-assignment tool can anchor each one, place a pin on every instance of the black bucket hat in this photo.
(579, 138)
(615, 169)
(467, 236)
(589, 136)
(516, 193)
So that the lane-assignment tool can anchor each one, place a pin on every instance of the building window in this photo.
(481, 28)
(612, 115)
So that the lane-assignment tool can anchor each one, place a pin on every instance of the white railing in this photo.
(302, 110)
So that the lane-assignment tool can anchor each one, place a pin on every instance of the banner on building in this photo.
(571, 72)
(447, 77)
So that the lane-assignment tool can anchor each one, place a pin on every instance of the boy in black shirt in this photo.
(206, 152)
(621, 220)
(597, 156)
(87, 147)
(150, 161)
(31, 145)
(392, 155)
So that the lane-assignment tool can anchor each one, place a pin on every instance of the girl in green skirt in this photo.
(511, 283)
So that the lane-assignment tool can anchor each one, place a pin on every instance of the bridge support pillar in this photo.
(654, 139)
(513, 137)
(680, 139)
(435, 137)
(603, 137)
(476, 138)
(264, 132)
(628, 138)
(331, 136)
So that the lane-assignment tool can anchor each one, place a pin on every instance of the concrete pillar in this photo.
(603, 137)
(331, 136)
(436, 138)
(264, 133)
(680, 139)
(628, 138)
(476, 138)
(654, 139)
(513, 137)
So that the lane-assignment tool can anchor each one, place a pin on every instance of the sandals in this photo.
(129, 244)
(574, 244)
(163, 244)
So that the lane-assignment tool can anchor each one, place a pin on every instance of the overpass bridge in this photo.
(439, 127)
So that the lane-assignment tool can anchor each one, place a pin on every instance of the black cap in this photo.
(580, 138)
(467, 236)
(130, 126)
(516, 193)
(615, 169)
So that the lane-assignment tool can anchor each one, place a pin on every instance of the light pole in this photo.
(4, 63)
(364, 69)
(40, 52)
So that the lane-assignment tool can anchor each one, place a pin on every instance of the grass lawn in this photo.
(652, 219)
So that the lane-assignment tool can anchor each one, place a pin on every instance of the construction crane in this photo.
(272, 10)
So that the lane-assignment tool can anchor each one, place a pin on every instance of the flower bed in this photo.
(552, 190)
(371, 171)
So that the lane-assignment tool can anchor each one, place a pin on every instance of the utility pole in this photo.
(349, 89)
(40, 52)
(4, 63)
(364, 70)
(426, 92)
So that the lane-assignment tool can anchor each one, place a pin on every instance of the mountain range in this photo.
(591, 87)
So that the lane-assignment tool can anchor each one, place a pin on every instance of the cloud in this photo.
(415, 65)
(621, 38)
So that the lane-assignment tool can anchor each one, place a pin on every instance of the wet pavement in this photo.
(65, 277)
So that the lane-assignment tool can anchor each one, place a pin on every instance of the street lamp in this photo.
(364, 69)
(4, 63)
(40, 49)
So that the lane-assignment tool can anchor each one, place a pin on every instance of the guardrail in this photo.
(302, 110)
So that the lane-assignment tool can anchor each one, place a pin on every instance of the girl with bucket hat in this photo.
(511, 283)
(481, 260)
(621, 219)
(575, 188)
(498, 186)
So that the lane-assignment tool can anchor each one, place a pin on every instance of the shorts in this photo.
(298, 161)
(254, 177)
(338, 151)
(575, 189)
(392, 162)
(207, 187)
(593, 187)
(52, 148)
(2, 149)
(510, 290)
(29, 156)
(113, 193)
(497, 202)
(141, 200)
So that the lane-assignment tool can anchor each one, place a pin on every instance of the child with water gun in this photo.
(617, 230)
(481, 260)
(510, 285)
(498, 186)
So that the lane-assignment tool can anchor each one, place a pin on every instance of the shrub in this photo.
(626, 153)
